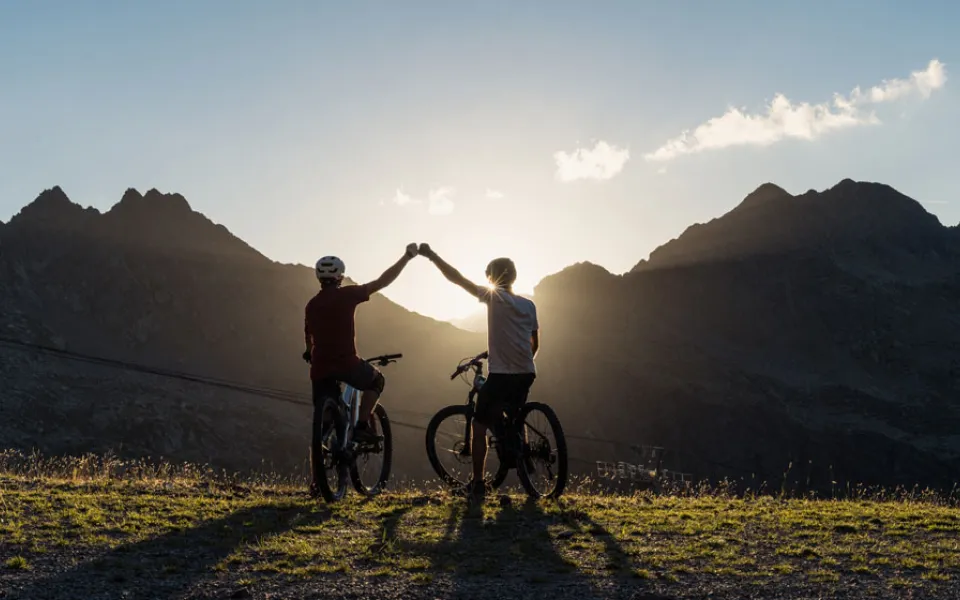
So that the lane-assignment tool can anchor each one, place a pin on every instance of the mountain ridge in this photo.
(175, 292)
(771, 221)
(836, 348)
(832, 335)
(156, 219)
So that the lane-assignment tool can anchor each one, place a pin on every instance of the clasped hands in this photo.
(423, 250)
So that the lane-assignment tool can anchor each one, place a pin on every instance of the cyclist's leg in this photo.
(513, 395)
(369, 380)
(519, 392)
(487, 414)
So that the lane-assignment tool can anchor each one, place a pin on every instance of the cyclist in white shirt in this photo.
(513, 340)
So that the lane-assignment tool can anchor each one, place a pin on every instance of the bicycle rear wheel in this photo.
(372, 462)
(330, 476)
(448, 438)
(542, 464)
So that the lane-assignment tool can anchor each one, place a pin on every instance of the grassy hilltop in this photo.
(95, 528)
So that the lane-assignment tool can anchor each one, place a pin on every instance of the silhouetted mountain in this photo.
(153, 282)
(817, 330)
(860, 225)
(763, 195)
(163, 222)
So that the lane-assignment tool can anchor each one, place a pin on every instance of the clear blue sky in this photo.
(296, 123)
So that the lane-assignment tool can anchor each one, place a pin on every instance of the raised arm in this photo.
(452, 275)
(391, 274)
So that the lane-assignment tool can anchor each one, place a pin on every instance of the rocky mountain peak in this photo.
(53, 209)
(763, 195)
(771, 221)
(151, 206)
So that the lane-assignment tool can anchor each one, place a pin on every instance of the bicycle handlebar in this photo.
(473, 362)
(384, 359)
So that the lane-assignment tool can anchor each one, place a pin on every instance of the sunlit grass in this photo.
(263, 528)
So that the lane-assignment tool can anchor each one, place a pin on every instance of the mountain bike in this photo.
(340, 454)
(519, 441)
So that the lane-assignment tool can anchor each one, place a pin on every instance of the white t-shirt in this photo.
(511, 321)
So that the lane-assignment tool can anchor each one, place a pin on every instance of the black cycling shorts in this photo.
(500, 392)
(363, 377)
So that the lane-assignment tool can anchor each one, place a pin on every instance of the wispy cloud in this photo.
(494, 194)
(784, 119)
(601, 162)
(403, 199)
(439, 201)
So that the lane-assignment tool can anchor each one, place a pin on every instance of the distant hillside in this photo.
(153, 282)
(815, 335)
(819, 331)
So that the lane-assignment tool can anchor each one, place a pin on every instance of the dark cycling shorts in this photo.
(363, 376)
(502, 392)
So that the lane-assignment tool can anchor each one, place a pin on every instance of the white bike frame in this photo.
(351, 399)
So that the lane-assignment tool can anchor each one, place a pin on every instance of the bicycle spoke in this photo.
(370, 468)
(541, 453)
(451, 451)
(330, 473)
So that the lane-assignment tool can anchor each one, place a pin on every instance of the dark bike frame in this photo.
(509, 433)
(504, 429)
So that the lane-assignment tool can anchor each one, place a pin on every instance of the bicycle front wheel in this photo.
(330, 472)
(370, 468)
(449, 450)
(542, 465)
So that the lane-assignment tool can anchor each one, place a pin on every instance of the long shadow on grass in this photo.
(169, 565)
(515, 547)
(617, 560)
(539, 552)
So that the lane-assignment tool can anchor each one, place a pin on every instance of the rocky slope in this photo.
(155, 283)
(816, 334)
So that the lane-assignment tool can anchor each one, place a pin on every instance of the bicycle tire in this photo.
(562, 459)
(381, 414)
(431, 433)
(332, 409)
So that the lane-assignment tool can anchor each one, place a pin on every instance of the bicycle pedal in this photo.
(366, 446)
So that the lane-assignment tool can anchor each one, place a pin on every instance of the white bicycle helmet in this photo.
(330, 267)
